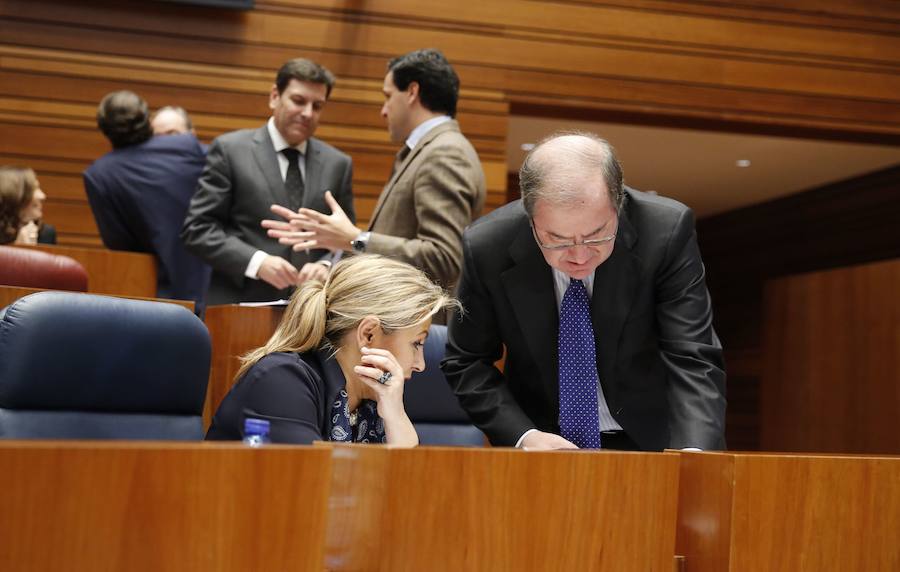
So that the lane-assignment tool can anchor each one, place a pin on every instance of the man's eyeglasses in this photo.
(593, 243)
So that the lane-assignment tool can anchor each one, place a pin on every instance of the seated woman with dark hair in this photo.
(335, 367)
(21, 208)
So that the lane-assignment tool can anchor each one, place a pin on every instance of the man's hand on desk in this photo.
(309, 228)
(541, 441)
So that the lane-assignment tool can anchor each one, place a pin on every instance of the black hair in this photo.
(302, 69)
(124, 118)
(438, 82)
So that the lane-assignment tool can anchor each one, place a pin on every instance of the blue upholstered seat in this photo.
(431, 405)
(80, 366)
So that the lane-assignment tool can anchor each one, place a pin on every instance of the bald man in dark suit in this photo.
(597, 294)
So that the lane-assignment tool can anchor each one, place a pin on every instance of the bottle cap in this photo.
(256, 426)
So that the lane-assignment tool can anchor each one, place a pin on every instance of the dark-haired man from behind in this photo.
(249, 170)
(436, 189)
(139, 193)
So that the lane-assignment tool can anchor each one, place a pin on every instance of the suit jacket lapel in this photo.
(312, 185)
(264, 153)
(615, 282)
(401, 168)
(529, 287)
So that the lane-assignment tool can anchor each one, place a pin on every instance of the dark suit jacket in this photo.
(658, 358)
(139, 196)
(433, 195)
(294, 392)
(240, 182)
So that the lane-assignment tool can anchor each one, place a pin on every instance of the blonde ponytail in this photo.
(301, 329)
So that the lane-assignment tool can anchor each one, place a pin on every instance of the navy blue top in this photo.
(300, 396)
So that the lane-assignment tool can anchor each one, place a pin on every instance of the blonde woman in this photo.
(21, 208)
(335, 367)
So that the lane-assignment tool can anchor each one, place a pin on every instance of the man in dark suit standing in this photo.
(139, 193)
(437, 186)
(597, 292)
(249, 170)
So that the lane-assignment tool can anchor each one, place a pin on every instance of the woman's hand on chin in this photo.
(382, 374)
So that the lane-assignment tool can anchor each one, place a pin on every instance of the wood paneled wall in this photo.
(846, 223)
(827, 66)
(831, 361)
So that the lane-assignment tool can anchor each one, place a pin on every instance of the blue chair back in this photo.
(432, 406)
(81, 366)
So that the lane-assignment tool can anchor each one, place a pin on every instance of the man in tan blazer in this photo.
(436, 189)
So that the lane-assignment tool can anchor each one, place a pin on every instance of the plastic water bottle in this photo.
(256, 432)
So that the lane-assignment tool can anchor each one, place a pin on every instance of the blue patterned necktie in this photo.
(579, 420)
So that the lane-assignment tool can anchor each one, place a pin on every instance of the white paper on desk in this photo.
(281, 302)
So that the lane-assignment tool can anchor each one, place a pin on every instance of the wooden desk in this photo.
(97, 506)
(80, 506)
(789, 513)
(110, 506)
(234, 331)
(459, 509)
(112, 271)
(9, 294)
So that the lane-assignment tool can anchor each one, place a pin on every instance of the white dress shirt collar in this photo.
(424, 128)
(561, 284)
(278, 141)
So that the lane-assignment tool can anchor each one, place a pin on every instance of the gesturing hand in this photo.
(308, 228)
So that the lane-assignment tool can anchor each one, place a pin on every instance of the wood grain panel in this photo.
(831, 361)
(501, 509)
(847, 223)
(111, 271)
(661, 27)
(279, 28)
(82, 506)
(793, 514)
(502, 71)
(869, 15)
(771, 108)
(705, 497)
(234, 330)
(788, 513)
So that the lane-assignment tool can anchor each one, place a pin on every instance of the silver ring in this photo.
(385, 377)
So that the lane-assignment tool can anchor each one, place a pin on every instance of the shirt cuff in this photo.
(522, 438)
(696, 449)
(256, 261)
